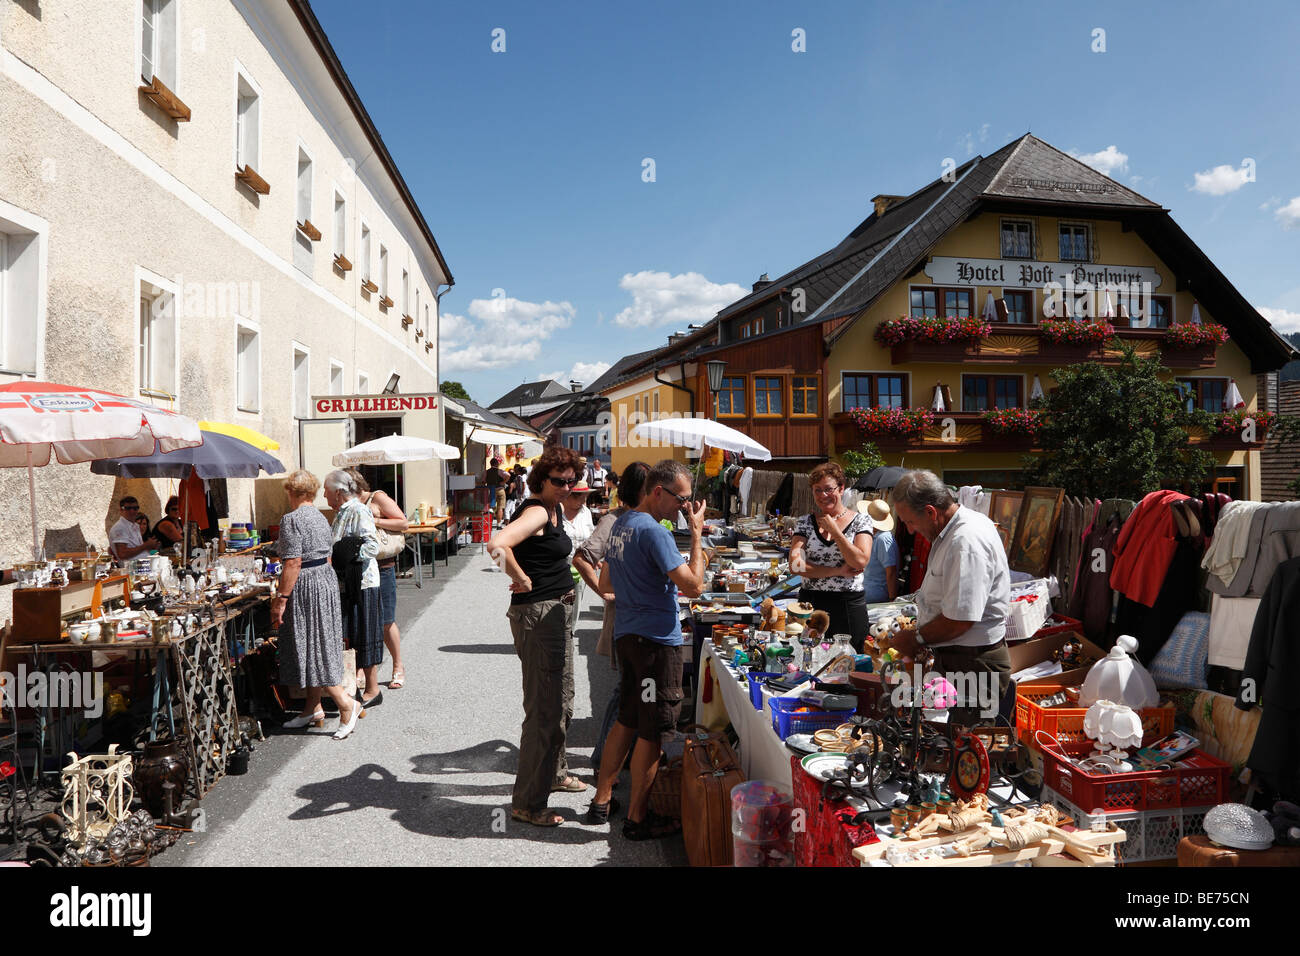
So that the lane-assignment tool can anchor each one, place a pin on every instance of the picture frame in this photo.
(1031, 546)
(1004, 511)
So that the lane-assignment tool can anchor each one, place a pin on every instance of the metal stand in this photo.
(207, 694)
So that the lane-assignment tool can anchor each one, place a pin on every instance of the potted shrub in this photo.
(933, 339)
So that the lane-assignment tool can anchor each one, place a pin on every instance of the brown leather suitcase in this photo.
(1199, 851)
(709, 770)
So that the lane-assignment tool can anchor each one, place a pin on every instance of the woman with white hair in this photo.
(355, 548)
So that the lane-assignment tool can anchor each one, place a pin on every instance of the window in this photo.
(744, 331)
(426, 323)
(301, 382)
(767, 395)
(1020, 306)
(158, 42)
(340, 225)
(1147, 312)
(980, 393)
(157, 340)
(303, 208)
(248, 124)
(1076, 242)
(1203, 394)
(406, 293)
(759, 325)
(873, 390)
(416, 313)
(248, 365)
(1162, 311)
(656, 399)
(22, 297)
(336, 377)
(948, 303)
(803, 395)
(1017, 239)
(383, 271)
(363, 383)
(365, 253)
(731, 396)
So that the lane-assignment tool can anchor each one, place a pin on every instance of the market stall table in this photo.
(432, 526)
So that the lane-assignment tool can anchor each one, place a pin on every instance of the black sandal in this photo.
(653, 827)
(598, 814)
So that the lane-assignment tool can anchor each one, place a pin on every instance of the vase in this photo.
(163, 762)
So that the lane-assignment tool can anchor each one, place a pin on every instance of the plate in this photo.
(819, 766)
(802, 743)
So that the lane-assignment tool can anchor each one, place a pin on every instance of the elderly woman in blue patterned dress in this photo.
(362, 619)
(306, 610)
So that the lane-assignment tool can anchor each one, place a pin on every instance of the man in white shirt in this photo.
(964, 599)
(124, 538)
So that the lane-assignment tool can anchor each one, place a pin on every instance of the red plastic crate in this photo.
(1198, 780)
(1063, 625)
(1066, 723)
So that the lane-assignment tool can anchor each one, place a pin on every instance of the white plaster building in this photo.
(192, 197)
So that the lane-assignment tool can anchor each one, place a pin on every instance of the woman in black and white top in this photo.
(830, 549)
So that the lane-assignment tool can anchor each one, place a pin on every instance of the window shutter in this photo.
(165, 27)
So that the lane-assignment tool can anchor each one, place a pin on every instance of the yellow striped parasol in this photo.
(256, 439)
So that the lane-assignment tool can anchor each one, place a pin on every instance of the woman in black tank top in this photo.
(533, 550)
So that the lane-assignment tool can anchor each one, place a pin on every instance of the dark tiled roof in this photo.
(628, 367)
(530, 393)
(1036, 171)
(513, 422)
(585, 411)
(1280, 465)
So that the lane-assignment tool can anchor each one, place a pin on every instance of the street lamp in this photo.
(714, 368)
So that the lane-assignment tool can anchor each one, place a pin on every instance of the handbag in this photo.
(391, 544)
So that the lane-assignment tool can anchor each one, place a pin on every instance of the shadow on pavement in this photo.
(477, 648)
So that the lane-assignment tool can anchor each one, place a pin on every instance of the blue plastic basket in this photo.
(786, 722)
(756, 679)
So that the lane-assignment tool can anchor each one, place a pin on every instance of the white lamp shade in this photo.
(1120, 678)
(1113, 725)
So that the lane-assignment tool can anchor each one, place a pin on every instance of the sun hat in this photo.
(876, 509)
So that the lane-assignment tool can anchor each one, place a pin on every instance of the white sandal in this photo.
(345, 730)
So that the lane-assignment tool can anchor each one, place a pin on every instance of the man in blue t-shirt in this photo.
(644, 569)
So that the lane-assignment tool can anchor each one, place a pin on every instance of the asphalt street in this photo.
(426, 777)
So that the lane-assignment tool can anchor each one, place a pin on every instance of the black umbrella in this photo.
(878, 479)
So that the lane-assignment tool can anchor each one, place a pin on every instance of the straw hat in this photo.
(581, 488)
(876, 509)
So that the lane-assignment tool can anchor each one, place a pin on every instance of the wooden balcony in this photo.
(1012, 344)
(951, 432)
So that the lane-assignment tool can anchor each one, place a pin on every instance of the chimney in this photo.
(762, 283)
(675, 336)
(884, 201)
(575, 386)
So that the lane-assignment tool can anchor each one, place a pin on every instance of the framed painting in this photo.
(1004, 509)
(1031, 547)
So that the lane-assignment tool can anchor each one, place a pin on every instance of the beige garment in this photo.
(1231, 620)
(1224, 730)
(1231, 536)
(605, 643)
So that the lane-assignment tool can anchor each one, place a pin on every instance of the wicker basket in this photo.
(666, 791)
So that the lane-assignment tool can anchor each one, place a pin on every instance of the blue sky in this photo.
(529, 163)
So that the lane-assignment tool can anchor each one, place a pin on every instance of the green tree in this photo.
(857, 463)
(454, 390)
(1116, 432)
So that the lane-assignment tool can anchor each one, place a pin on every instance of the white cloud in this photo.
(1222, 180)
(659, 298)
(1107, 161)
(1281, 319)
(984, 133)
(1289, 215)
(1269, 203)
(587, 372)
(502, 331)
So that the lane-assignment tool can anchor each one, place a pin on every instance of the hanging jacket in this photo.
(1145, 548)
(346, 558)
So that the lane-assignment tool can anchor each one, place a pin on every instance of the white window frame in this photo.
(246, 77)
(426, 321)
(336, 364)
(383, 271)
(365, 242)
(363, 382)
(168, 287)
(406, 292)
(248, 325)
(311, 187)
(22, 220)
(295, 348)
(1033, 237)
(416, 314)
(173, 83)
(340, 238)
(1076, 224)
(879, 371)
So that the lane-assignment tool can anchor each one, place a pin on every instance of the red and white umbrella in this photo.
(43, 419)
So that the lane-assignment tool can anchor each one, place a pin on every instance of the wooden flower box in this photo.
(428, 345)
(406, 320)
(1231, 441)
(342, 262)
(385, 303)
(913, 351)
(1199, 356)
(308, 230)
(368, 286)
(166, 100)
(248, 176)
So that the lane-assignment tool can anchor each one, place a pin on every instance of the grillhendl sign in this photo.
(1023, 274)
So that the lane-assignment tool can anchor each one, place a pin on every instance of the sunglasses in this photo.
(130, 507)
(681, 499)
(562, 482)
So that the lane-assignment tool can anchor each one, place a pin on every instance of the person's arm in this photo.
(605, 586)
(587, 571)
(856, 555)
(800, 565)
(122, 551)
(501, 546)
(689, 577)
(392, 518)
(891, 582)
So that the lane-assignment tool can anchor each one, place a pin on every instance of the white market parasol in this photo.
(695, 433)
(43, 419)
(394, 450)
